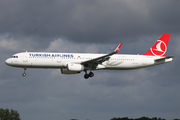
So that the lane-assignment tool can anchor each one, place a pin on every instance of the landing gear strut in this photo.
(24, 74)
(86, 76)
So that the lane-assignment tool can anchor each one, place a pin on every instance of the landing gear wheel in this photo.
(24, 74)
(86, 76)
(91, 74)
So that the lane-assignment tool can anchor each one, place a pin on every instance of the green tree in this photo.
(115, 118)
(6, 114)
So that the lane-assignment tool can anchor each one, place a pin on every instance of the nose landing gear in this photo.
(24, 74)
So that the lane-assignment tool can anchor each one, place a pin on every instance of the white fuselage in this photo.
(61, 60)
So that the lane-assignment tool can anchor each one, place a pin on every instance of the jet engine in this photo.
(75, 67)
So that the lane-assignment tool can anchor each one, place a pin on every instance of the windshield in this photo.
(14, 57)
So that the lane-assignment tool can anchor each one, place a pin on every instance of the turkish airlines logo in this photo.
(159, 49)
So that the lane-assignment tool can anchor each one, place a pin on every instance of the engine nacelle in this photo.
(66, 71)
(75, 67)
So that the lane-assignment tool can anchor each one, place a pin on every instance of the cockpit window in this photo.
(14, 57)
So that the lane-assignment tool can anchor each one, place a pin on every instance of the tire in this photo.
(91, 74)
(86, 76)
(24, 74)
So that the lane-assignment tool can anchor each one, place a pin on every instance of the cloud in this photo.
(93, 21)
(89, 27)
(11, 45)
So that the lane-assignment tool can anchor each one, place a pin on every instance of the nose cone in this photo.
(8, 62)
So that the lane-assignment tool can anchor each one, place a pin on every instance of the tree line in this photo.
(142, 118)
(6, 114)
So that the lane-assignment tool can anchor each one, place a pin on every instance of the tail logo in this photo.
(159, 49)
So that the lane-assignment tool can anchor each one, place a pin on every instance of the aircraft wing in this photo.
(94, 62)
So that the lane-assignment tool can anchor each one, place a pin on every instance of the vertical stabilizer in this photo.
(160, 47)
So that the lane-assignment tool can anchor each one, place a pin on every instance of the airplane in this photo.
(74, 63)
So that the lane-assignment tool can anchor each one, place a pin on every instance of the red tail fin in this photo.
(160, 47)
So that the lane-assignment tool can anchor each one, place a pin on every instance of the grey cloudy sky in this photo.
(89, 26)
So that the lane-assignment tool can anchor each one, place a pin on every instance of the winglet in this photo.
(117, 49)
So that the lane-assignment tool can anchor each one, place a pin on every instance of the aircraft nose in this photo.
(7, 62)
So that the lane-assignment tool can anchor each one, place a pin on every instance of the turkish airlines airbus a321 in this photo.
(73, 63)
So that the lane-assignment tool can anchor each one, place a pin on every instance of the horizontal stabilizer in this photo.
(164, 59)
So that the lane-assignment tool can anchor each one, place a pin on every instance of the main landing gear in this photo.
(24, 74)
(86, 76)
